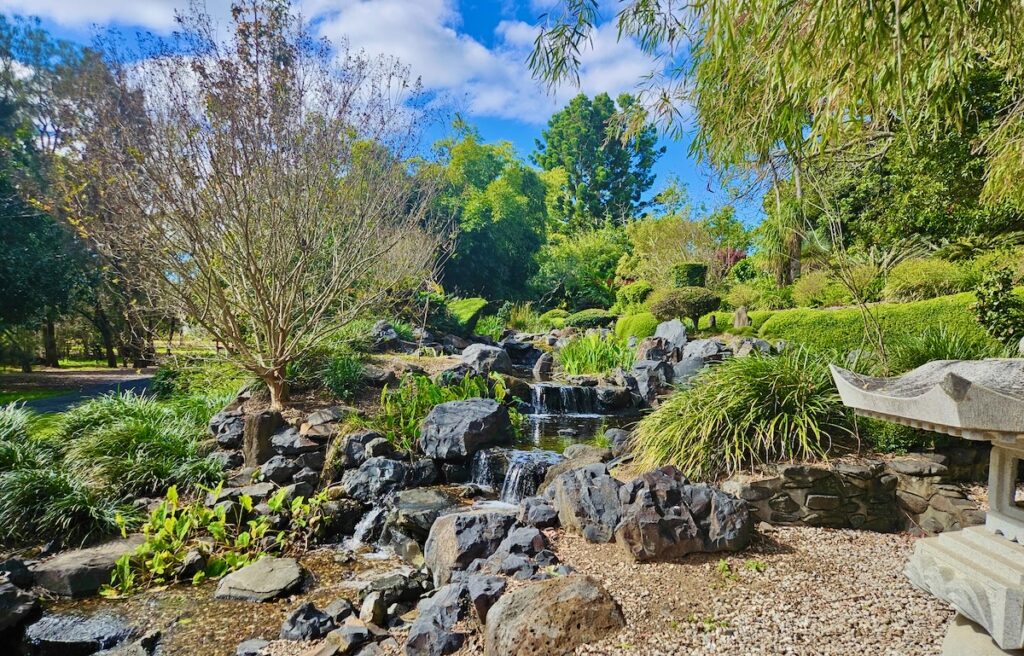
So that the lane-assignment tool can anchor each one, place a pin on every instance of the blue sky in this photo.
(471, 51)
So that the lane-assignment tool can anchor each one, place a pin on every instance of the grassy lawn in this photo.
(10, 396)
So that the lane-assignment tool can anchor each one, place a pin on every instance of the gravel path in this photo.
(797, 591)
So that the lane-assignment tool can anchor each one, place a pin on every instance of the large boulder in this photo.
(522, 354)
(82, 572)
(709, 350)
(484, 359)
(374, 479)
(652, 377)
(263, 580)
(576, 457)
(587, 501)
(76, 635)
(663, 516)
(674, 332)
(458, 539)
(454, 431)
(551, 617)
(259, 428)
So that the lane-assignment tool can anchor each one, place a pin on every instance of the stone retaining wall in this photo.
(917, 492)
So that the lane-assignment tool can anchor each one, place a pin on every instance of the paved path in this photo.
(86, 384)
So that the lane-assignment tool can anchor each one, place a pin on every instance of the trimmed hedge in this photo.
(466, 311)
(636, 325)
(842, 329)
(723, 319)
(689, 274)
(592, 318)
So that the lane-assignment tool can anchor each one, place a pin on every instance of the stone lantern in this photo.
(979, 570)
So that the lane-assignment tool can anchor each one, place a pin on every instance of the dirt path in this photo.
(83, 383)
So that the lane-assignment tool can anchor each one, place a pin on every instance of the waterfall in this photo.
(555, 399)
(367, 530)
(526, 470)
(488, 467)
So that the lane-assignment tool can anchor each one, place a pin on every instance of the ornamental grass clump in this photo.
(595, 354)
(941, 343)
(744, 412)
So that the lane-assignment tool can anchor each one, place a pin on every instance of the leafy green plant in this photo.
(225, 543)
(491, 326)
(636, 325)
(689, 302)
(592, 318)
(890, 437)
(940, 343)
(343, 375)
(920, 278)
(594, 354)
(743, 412)
(997, 308)
(403, 329)
(522, 317)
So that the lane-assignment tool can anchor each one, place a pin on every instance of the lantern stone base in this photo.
(965, 638)
(981, 574)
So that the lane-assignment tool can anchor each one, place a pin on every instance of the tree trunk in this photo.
(51, 358)
(795, 247)
(278, 387)
(106, 335)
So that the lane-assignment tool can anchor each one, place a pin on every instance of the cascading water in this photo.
(526, 470)
(488, 467)
(367, 530)
(555, 399)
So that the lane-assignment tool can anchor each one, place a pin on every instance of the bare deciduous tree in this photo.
(265, 184)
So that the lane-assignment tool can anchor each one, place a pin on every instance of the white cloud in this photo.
(426, 35)
(153, 14)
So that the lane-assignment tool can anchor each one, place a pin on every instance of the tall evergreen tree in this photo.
(605, 176)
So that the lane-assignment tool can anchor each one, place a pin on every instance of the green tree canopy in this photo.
(605, 176)
(499, 208)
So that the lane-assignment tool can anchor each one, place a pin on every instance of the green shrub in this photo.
(191, 375)
(636, 325)
(492, 326)
(42, 503)
(629, 299)
(998, 309)
(690, 274)
(917, 279)
(594, 354)
(465, 312)
(975, 270)
(743, 412)
(686, 302)
(890, 437)
(742, 295)
(13, 422)
(403, 329)
(940, 343)
(818, 289)
(343, 375)
(553, 318)
(843, 329)
(592, 318)
(522, 317)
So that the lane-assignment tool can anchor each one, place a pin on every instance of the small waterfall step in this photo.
(526, 471)
(558, 399)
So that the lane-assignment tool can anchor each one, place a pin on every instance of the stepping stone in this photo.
(263, 580)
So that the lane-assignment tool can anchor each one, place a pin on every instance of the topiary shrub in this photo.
(689, 302)
(636, 325)
(921, 278)
(629, 298)
(592, 318)
(690, 274)
(553, 318)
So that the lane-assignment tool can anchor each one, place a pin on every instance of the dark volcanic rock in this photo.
(16, 605)
(587, 500)
(374, 479)
(431, 632)
(458, 429)
(265, 579)
(306, 622)
(664, 516)
(82, 572)
(76, 635)
(227, 427)
(456, 540)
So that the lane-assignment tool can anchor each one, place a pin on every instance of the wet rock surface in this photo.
(265, 579)
(76, 635)
(81, 572)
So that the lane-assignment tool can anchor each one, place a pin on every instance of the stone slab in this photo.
(965, 638)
